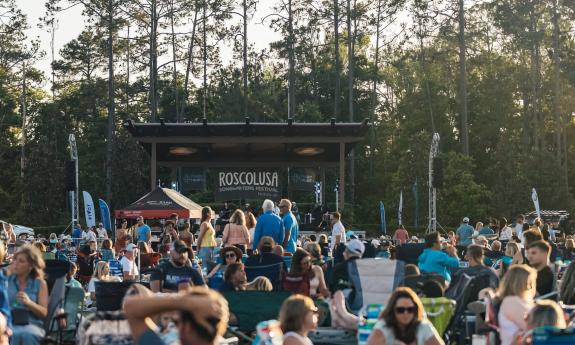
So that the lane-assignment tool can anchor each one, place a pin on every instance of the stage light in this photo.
(309, 150)
(182, 150)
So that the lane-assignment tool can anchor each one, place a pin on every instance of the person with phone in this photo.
(28, 295)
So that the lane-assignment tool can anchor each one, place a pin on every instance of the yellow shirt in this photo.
(209, 239)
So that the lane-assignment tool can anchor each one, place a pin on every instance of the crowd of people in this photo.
(515, 279)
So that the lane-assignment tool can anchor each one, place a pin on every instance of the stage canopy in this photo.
(161, 203)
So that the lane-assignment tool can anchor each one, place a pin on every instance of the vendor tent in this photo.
(161, 203)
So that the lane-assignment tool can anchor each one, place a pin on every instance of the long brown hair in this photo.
(296, 267)
(206, 214)
(388, 315)
(35, 260)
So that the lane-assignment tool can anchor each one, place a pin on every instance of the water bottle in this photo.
(268, 333)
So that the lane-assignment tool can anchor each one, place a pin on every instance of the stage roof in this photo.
(248, 144)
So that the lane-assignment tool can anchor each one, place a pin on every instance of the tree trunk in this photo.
(127, 106)
(463, 80)
(205, 60)
(111, 102)
(174, 65)
(153, 62)
(557, 84)
(245, 58)
(374, 89)
(351, 68)
(24, 119)
(337, 73)
(189, 62)
(291, 73)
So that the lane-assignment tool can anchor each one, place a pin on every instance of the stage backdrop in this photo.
(236, 184)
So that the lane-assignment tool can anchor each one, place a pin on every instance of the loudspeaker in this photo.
(70, 179)
(437, 181)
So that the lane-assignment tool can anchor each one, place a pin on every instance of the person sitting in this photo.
(229, 256)
(538, 257)
(567, 291)
(169, 274)
(311, 276)
(545, 313)
(433, 260)
(475, 257)
(298, 316)
(203, 316)
(515, 299)
(324, 245)
(101, 273)
(569, 250)
(494, 254)
(266, 256)
(234, 278)
(354, 250)
(70, 280)
(107, 250)
(411, 270)
(129, 268)
(316, 257)
(28, 295)
(403, 322)
(260, 284)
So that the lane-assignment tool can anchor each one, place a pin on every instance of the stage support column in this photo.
(153, 164)
(323, 185)
(341, 175)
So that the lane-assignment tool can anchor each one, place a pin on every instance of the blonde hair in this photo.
(314, 249)
(547, 313)
(238, 217)
(569, 243)
(260, 284)
(518, 281)
(41, 247)
(511, 249)
(478, 226)
(293, 312)
(34, 258)
(98, 270)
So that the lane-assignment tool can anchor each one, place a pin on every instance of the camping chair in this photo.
(272, 272)
(242, 304)
(439, 312)
(373, 280)
(55, 302)
(73, 304)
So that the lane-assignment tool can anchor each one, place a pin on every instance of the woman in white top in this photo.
(516, 293)
(101, 273)
(298, 316)
(251, 225)
(402, 322)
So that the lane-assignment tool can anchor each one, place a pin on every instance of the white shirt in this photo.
(102, 233)
(337, 229)
(519, 230)
(506, 234)
(424, 332)
(129, 266)
(91, 236)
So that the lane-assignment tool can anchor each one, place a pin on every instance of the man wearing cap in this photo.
(291, 228)
(169, 274)
(464, 234)
(354, 250)
(129, 268)
(269, 224)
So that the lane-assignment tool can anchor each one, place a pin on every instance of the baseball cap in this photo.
(355, 246)
(179, 246)
(466, 219)
(131, 247)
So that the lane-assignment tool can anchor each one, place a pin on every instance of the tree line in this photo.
(493, 77)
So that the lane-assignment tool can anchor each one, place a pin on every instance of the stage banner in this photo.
(303, 179)
(535, 199)
(236, 184)
(89, 210)
(105, 214)
(382, 223)
(400, 209)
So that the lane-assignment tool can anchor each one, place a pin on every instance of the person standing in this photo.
(207, 237)
(401, 235)
(77, 234)
(143, 231)
(464, 234)
(268, 224)
(291, 228)
(236, 233)
(505, 232)
(122, 236)
(337, 231)
(102, 233)
(519, 226)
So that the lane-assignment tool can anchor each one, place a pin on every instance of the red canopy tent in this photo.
(161, 203)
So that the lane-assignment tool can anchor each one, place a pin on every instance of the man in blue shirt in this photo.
(269, 224)
(144, 232)
(464, 233)
(77, 234)
(290, 225)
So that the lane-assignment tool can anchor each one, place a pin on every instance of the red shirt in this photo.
(401, 236)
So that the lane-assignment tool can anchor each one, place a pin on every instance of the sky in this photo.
(71, 23)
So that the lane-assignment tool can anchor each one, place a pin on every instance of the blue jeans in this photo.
(206, 254)
(30, 334)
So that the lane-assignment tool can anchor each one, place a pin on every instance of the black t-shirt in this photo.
(150, 338)
(544, 281)
(171, 275)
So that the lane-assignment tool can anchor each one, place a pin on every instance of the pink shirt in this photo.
(401, 236)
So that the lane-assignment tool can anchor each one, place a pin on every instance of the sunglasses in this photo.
(403, 310)
(230, 255)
